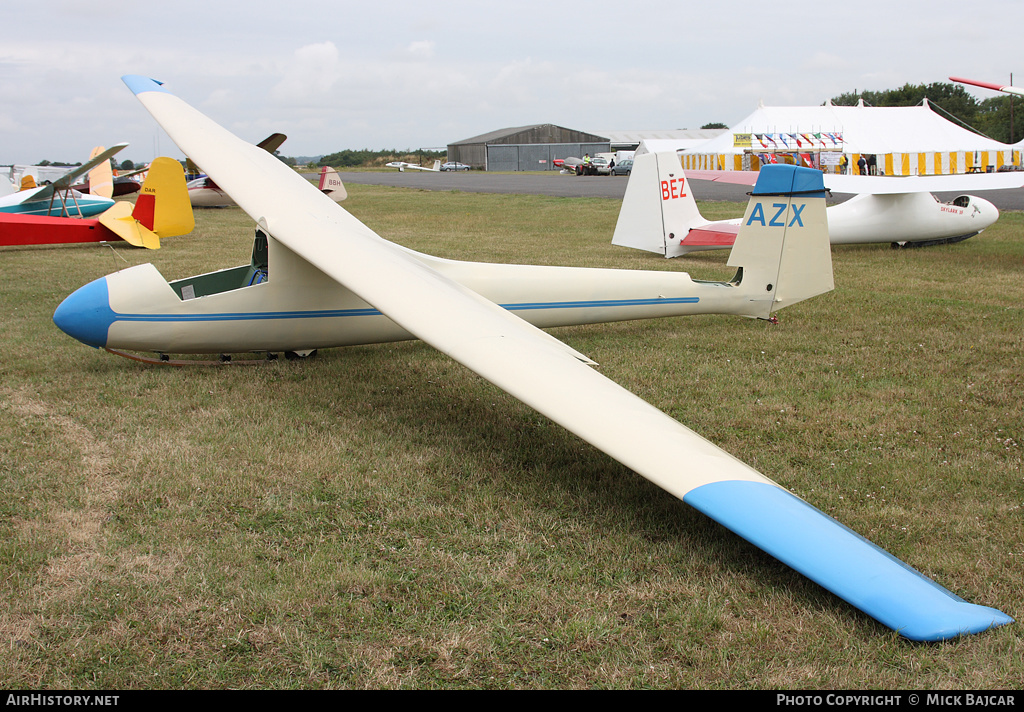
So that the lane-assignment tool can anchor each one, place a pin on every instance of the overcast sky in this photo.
(393, 74)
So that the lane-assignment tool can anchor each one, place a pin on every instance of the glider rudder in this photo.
(330, 184)
(162, 208)
(783, 245)
(658, 208)
(101, 178)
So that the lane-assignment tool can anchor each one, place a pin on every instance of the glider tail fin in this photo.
(162, 208)
(101, 177)
(782, 249)
(437, 166)
(658, 208)
(330, 183)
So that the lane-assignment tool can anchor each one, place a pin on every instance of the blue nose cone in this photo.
(86, 314)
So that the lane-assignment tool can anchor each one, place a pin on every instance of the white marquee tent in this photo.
(911, 140)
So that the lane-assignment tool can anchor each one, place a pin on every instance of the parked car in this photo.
(454, 166)
(624, 168)
(600, 166)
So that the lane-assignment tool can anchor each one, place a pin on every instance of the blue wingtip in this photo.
(139, 84)
(842, 561)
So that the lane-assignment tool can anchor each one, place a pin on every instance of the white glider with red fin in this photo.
(659, 213)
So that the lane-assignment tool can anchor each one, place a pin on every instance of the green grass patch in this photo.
(380, 517)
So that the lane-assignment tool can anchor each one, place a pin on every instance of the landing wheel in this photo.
(293, 355)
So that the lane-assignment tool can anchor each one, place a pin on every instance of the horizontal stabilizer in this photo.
(118, 219)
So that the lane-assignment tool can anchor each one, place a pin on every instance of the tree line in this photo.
(365, 157)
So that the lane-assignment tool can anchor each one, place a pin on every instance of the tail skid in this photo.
(162, 209)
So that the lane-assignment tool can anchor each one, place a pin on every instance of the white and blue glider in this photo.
(58, 198)
(330, 280)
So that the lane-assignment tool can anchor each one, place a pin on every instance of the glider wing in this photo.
(989, 85)
(69, 178)
(885, 185)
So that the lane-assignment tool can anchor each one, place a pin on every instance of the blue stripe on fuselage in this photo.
(369, 311)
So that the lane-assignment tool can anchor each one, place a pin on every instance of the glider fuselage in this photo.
(900, 219)
(19, 229)
(294, 306)
(74, 205)
(204, 193)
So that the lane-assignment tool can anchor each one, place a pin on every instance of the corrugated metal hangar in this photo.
(525, 148)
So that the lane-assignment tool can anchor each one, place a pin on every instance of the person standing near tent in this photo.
(872, 165)
(845, 165)
(862, 166)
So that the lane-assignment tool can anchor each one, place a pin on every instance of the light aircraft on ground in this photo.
(58, 198)
(403, 166)
(659, 213)
(320, 278)
(161, 210)
(569, 164)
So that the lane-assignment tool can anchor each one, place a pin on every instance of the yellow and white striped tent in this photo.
(910, 140)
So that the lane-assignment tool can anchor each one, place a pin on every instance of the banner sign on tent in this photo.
(820, 141)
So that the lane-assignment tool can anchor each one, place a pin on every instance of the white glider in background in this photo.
(58, 198)
(403, 166)
(659, 213)
(203, 192)
(329, 280)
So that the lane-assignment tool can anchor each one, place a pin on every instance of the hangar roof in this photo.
(535, 133)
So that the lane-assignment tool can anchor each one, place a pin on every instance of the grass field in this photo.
(380, 517)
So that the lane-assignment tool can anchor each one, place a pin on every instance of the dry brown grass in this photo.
(380, 517)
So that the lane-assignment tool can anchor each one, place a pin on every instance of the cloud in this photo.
(421, 49)
(311, 73)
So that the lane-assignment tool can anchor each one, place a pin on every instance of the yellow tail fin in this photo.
(162, 208)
